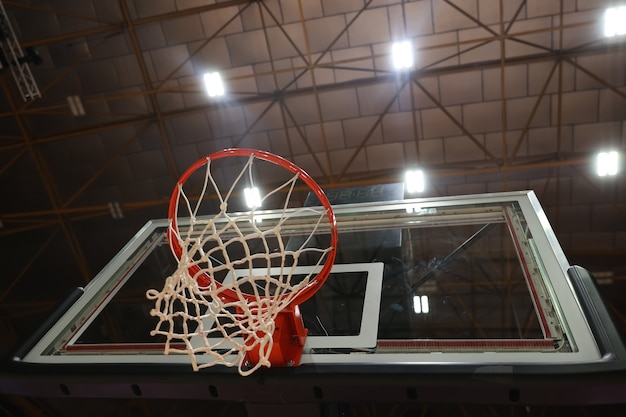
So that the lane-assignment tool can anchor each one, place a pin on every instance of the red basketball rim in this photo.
(202, 277)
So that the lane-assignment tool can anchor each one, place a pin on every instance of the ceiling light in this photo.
(76, 106)
(420, 304)
(402, 55)
(213, 84)
(414, 181)
(607, 163)
(253, 197)
(116, 210)
(615, 21)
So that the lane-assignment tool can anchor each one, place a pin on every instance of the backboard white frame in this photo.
(552, 261)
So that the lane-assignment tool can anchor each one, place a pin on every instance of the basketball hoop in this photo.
(233, 300)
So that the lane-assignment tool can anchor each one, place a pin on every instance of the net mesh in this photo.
(235, 273)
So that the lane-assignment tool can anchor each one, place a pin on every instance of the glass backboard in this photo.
(477, 279)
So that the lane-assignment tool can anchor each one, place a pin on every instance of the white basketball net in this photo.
(200, 321)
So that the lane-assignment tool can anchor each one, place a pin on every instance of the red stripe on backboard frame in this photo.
(466, 344)
(390, 344)
(533, 291)
(126, 347)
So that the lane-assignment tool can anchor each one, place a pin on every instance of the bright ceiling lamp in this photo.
(615, 21)
(420, 304)
(253, 197)
(213, 84)
(402, 55)
(607, 163)
(414, 181)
